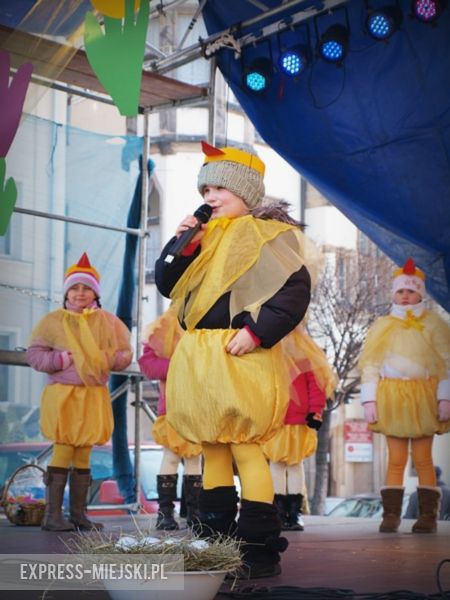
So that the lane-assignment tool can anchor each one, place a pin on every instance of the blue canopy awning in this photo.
(373, 135)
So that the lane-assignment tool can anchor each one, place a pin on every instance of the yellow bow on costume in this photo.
(413, 321)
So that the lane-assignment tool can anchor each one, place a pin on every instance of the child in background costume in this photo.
(405, 392)
(77, 346)
(298, 438)
(162, 336)
(239, 288)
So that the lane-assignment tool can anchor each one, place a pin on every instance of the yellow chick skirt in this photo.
(76, 415)
(291, 444)
(215, 397)
(163, 433)
(408, 408)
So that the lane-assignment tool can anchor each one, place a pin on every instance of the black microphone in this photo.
(202, 214)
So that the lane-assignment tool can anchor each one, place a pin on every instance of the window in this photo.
(341, 273)
(363, 244)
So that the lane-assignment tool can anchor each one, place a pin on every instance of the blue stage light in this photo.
(382, 23)
(257, 76)
(427, 11)
(293, 61)
(333, 44)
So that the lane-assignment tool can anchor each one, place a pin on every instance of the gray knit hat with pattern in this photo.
(238, 170)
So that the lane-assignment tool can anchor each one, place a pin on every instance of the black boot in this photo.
(192, 485)
(55, 479)
(280, 501)
(167, 494)
(259, 526)
(79, 482)
(294, 504)
(182, 511)
(217, 512)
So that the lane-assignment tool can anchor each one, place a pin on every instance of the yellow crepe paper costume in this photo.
(292, 443)
(163, 433)
(76, 415)
(239, 399)
(419, 349)
(81, 414)
(162, 336)
(250, 257)
(303, 355)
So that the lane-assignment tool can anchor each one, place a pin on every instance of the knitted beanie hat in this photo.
(409, 277)
(237, 170)
(82, 272)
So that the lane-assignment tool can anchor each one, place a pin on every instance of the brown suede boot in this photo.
(429, 499)
(392, 508)
(79, 482)
(55, 479)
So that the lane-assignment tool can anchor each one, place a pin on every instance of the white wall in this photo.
(97, 117)
(326, 225)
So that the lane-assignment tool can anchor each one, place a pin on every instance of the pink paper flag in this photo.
(12, 97)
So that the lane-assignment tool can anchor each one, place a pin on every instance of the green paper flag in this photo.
(8, 197)
(116, 56)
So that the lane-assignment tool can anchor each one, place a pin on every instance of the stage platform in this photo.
(338, 555)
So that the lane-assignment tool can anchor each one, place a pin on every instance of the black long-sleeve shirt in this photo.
(277, 316)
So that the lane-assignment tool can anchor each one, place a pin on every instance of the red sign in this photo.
(356, 431)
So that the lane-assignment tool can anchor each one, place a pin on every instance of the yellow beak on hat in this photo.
(251, 161)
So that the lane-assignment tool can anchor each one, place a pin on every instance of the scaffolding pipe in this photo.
(140, 298)
(18, 358)
(212, 102)
(194, 52)
(45, 215)
(192, 101)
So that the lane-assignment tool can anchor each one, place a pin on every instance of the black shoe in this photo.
(192, 485)
(166, 522)
(281, 503)
(217, 512)
(294, 520)
(167, 494)
(259, 528)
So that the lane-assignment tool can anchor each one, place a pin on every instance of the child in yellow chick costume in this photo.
(77, 346)
(161, 337)
(239, 288)
(405, 393)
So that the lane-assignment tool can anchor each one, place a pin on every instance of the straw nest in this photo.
(218, 554)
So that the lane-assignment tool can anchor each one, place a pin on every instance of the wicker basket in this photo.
(22, 513)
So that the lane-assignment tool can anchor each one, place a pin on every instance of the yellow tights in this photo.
(421, 456)
(254, 471)
(65, 456)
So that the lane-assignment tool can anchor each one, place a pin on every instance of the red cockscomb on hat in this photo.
(409, 277)
(82, 272)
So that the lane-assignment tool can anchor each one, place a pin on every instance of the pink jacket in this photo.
(312, 399)
(58, 364)
(155, 367)
(55, 364)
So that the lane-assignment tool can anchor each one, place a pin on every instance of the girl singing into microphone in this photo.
(239, 288)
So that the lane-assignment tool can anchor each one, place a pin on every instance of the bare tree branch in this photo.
(351, 293)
